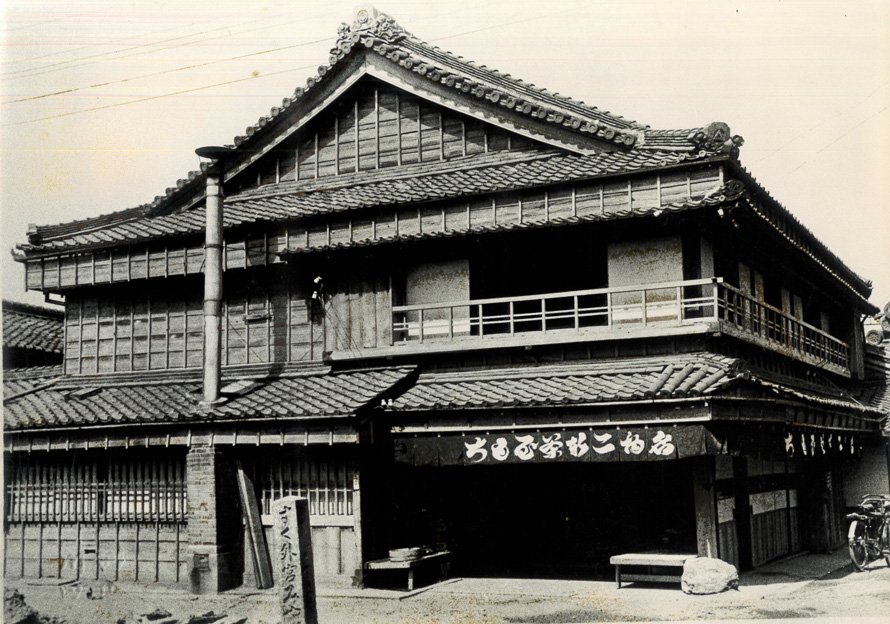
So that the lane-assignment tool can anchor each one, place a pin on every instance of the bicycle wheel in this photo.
(885, 541)
(858, 548)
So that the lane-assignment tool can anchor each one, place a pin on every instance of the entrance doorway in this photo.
(544, 520)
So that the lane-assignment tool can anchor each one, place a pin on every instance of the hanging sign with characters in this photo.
(585, 445)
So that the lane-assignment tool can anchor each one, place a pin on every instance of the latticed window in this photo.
(96, 487)
(322, 475)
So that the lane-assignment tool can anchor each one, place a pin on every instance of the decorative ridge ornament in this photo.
(716, 137)
(369, 22)
(733, 189)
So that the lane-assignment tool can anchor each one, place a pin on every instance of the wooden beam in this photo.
(259, 552)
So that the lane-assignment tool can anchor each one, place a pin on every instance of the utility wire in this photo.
(58, 19)
(823, 122)
(168, 71)
(861, 123)
(163, 95)
(252, 77)
(93, 45)
(47, 68)
(527, 19)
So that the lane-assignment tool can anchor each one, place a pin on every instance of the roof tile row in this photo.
(593, 382)
(35, 402)
(32, 327)
(30, 404)
(289, 201)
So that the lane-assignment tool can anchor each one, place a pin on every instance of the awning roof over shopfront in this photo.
(37, 403)
(629, 379)
(596, 382)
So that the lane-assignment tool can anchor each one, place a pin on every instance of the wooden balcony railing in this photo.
(587, 312)
(747, 317)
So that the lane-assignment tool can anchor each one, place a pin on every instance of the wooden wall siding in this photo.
(163, 329)
(358, 312)
(111, 518)
(325, 477)
(375, 128)
(729, 543)
(249, 249)
(110, 551)
(774, 518)
(334, 554)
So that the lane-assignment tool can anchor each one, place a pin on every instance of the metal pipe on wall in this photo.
(213, 240)
(212, 285)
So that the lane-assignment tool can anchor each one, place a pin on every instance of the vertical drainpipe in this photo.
(213, 272)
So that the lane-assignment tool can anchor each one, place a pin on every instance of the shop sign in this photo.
(518, 447)
(819, 444)
(528, 447)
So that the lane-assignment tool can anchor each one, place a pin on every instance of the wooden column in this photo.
(703, 473)
(358, 579)
(742, 511)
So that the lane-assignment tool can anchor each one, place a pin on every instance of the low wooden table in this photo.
(649, 561)
(442, 558)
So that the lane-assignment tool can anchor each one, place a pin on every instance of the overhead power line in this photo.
(93, 45)
(252, 77)
(861, 123)
(47, 69)
(163, 95)
(168, 71)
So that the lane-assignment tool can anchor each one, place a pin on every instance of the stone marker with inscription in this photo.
(293, 560)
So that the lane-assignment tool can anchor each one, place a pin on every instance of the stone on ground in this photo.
(17, 611)
(703, 575)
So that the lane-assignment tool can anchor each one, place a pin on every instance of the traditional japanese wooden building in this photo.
(458, 310)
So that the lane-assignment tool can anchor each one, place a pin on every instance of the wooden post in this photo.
(293, 556)
(261, 565)
(705, 508)
(358, 577)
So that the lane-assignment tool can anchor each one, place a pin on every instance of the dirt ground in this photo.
(809, 586)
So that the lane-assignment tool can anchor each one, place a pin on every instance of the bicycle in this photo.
(869, 534)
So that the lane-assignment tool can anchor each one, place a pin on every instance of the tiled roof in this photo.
(564, 384)
(599, 381)
(795, 232)
(715, 199)
(307, 396)
(382, 36)
(289, 201)
(32, 327)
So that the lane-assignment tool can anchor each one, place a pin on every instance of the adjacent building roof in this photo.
(32, 402)
(32, 327)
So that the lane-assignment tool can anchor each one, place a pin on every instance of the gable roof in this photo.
(380, 38)
(32, 327)
(374, 44)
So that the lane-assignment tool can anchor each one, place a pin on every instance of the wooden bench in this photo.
(442, 558)
(649, 561)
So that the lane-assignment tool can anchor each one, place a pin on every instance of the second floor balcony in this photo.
(639, 311)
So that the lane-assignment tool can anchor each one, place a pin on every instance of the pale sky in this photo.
(104, 102)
